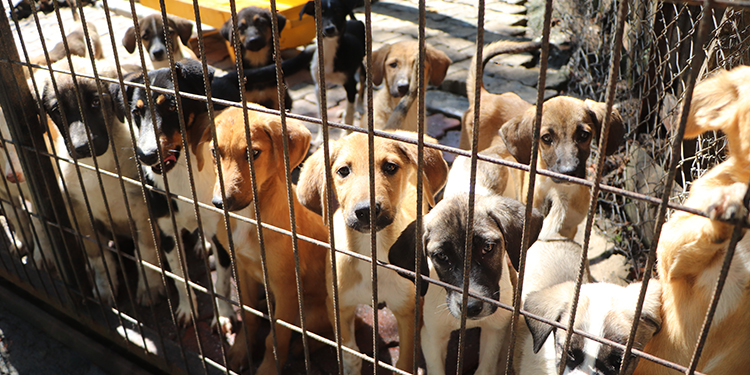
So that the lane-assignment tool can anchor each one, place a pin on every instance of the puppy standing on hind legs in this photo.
(343, 50)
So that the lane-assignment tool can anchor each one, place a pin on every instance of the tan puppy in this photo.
(76, 45)
(567, 129)
(395, 199)
(267, 151)
(152, 35)
(495, 109)
(692, 248)
(395, 64)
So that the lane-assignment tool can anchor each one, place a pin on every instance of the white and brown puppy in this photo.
(394, 65)
(568, 127)
(604, 310)
(154, 42)
(498, 228)
(91, 129)
(395, 200)
(692, 248)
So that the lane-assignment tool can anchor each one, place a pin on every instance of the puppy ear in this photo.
(282, 21)
(198, 137)
(403, 254)
(128, 41)
(311, 188)
(308, 9)
(516, 133)
(183, 27)
(435, 167)
(651, 314)
(226, 30)
(119, 99)
(378, 63)
(508, 215)
(598, 112)
(190, 73)
(718, 102)
(299, 142)
(439, 63)
(550, 303)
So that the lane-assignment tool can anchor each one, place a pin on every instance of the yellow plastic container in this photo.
(215, 12)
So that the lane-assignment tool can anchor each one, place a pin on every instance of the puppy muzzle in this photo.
(359, 218)
(475, 309)
(255, 43)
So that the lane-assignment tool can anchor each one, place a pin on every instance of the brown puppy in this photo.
(395, 64)
(256, 48)
(395, 197)
(76, 45)
(152, 35)
(495, 109)
(267, 151)
(692, 248)
(568, 127)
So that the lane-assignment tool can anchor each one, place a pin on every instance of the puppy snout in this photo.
(148, 158)
(158, 54)
(362, 210)
(473, 307)
(255, 43)
(403, 88)
(83, 150)
(329, 31)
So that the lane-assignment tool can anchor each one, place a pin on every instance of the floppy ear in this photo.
(439, 63)
(128, 41)
(509, 214)
(550, 303)
(311, 188)
(191, 76)
(403, 254)
(198, 136)
(308, 9)
(183, 27)
(282, 21)
(435, 167)
(719, 103)
(651, 314)
(378, 63)
(117, 97)
(516, 133)
(226, 30)
(598, 112)
(299, 141)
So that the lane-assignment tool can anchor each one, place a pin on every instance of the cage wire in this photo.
(657, 52)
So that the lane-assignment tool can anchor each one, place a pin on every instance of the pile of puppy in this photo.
(177, 145)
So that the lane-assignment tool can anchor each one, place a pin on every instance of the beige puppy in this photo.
(395, 199)
(692, 248)
(267, 151)
(152, 35)
(567, 130)
(395, 67)
(498, 228)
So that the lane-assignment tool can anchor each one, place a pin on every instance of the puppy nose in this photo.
(150, 158)
(330, 30)
(474, 307)
(362, 210)
(158, 53)
(217, 202)
(403, 88)
(82, 150)
(229, 200)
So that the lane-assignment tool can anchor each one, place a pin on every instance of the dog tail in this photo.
(490, 51)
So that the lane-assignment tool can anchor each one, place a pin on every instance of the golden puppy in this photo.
(692, 248)
(567, 129)
(395, 64)
(395, 200)
(267, 152)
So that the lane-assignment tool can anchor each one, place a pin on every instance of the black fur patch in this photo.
(221, 253)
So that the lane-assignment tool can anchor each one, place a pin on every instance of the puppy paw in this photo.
(727, 203)
(224, 325)
(183, 313)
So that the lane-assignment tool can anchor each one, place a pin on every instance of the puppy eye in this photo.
(256, 153)
(547, 139)
(488, 248)
(95, 103)
(172, 107)
(145, 35)
(343, 171)
(393, 64)
(575, 357)
(390, 168)
(440, 258)
(213, 153)
(584, 136)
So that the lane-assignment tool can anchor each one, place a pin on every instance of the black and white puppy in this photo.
(604, 310)
(496, 242)
(344, 49)
(95, 118)
(155, 43)
(159, 133)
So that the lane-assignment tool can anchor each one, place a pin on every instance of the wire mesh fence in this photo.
(165, 210)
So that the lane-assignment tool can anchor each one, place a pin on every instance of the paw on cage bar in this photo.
(340, 187)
